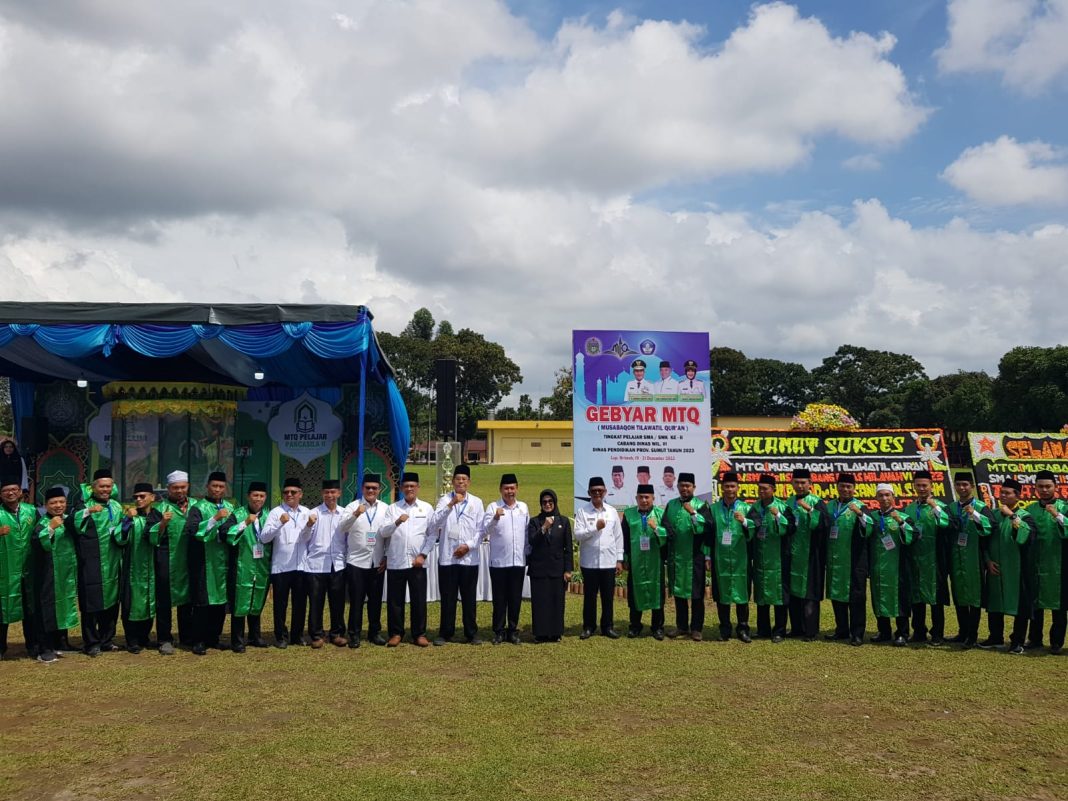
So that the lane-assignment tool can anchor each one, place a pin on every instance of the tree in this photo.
(7, 419)
(766, 387)
(421, 326)
(1031, 390)
(730, 380)
(961, 401)
(871, 384)
(558, 405)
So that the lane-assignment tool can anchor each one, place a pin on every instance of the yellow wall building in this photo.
(550, 441)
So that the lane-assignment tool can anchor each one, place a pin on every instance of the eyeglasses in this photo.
(597, 492)
(548, 502)
(290, 492)
(141, 495)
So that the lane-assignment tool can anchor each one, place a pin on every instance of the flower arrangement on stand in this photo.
(823, 417)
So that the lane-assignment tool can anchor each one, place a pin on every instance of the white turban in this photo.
(177, 477)
(882, 487)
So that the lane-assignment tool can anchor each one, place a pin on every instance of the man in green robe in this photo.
(927, 558)
(643, 538)
(890, 596)
(172, 564)
(1011, 574)
(251, 573)
(970, 521)
(689, 537)
(17, 522)
(1051, 558)
(209, 561)
(55, 576)
(139, 568)
(97, 527)
(733, 524)
(771, 559)
(808, 555)
(847, 562)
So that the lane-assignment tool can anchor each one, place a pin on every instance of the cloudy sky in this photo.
(787, 177)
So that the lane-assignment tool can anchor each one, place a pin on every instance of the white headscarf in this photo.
(886, 487)
(177, 477)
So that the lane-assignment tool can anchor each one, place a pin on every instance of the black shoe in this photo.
(936, 642)
(957, 640)
(200, 649)
(918, 638)
(724, 634)
(110, 647)
(633, 632)
(856, 641)
(678, 633)
(990, 642)
(968, 643)
(354, 642)
(744, 636)
(514, 639)
(259, 642)
(1031, 645)
(47, 657)
(440, 641)
(237, 648)
(899, 642)
(586, 634)
(777, 638)
(94, 651)
(882, 638)
(658, 634)
(281, 643)
(498, 639)
(835, 636)
(134, 649)
(808, 639)
(476, 640)
(378, 639)
(1016, 650)
(611, 634)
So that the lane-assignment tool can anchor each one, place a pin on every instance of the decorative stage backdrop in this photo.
(997, 456)
(874, 456)
(636, 406)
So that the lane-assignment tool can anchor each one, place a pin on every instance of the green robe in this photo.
(847, 552)
(644, 564)
(966, 560)
(139, 566)
(889, 569)
(173, 540)
(926, 555)
(1050, 556)
(808, 548)
(56, 582)
(251, 574)
(15, 561)
(1012, 591)
(730, 552)
(688, 547)
(99, 541)
(771, 554)
(209, 553)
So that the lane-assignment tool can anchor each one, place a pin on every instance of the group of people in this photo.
(87, 558)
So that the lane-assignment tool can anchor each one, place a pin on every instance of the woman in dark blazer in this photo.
(549, 566)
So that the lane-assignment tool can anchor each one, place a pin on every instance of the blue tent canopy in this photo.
(296, 348)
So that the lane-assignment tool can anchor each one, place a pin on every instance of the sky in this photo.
(788, 177)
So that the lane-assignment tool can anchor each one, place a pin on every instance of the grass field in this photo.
(629, 719)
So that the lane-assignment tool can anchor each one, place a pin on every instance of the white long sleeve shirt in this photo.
(326, 547)
(290, 538)
(407, 540)
(598, 548)
(364, 546)
(460, 525)
(508, 534)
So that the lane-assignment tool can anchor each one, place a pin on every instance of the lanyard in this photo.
(841, 510)
(882, 522)
(460, 508)
(370, 517)
(960, 512)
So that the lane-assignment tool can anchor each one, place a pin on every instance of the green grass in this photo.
(632, 719)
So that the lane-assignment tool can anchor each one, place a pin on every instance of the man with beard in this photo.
(889, 576)
(971, 520)
(643, 538)
(1011, 576)
(771, 559)
(139, 568)
(808, 553)
(689, 538)
(927, 560)
(847, 562)
(98, 539)
(172, 564)
(209, 559)
(733, 526)
(1051, 558)
(251, 573)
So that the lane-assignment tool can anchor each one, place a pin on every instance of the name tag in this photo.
(888, 542)
(834, 532)
(257, 550)
(643, 542)
(372, 537)
(727, 537)
(962, 540)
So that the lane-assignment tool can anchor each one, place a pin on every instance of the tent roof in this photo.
(178, 313)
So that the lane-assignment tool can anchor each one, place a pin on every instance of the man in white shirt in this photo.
(324, 569)
(638, 388)
(407, 547)
(668, 386)
(289, 527)
(600, 538)
(506, 528)
(456, 528)
(617, 493)
(365, 561)
(667, 489)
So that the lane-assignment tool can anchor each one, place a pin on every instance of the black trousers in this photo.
(208, 622)
(137, 632)
(364, 586)
(765, 627)
(968, 620)
(336, 592)
(919, 621)
(164, 609)
(656, 623)
(850, 618)
(462, 581)
(689, 614)
(724, 613)
(412, 579)
(237, 629)
(804, 617)
(323, 588)
(996, 623)
(3, 638)
(598, 581)
(1057, 626)
(284, 585)
(507, 584)
(98, 628)
(901, 628)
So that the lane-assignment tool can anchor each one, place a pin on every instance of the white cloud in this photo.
(1009, 173)
(1024, 40)
(863, 162)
